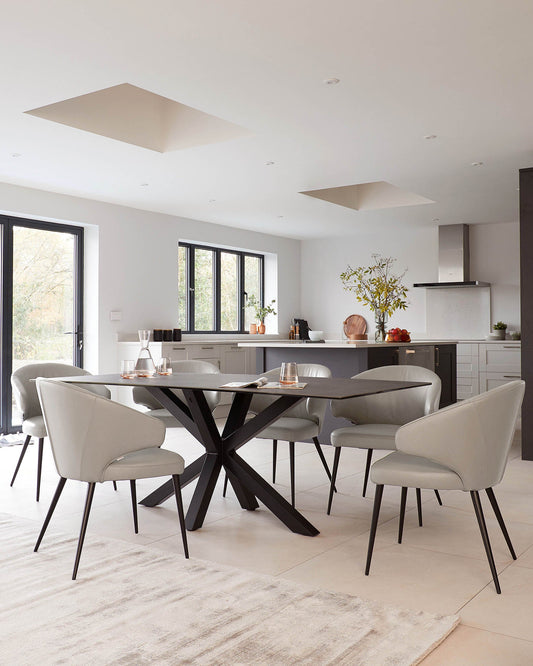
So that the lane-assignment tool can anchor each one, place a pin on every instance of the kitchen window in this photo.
(214, 285)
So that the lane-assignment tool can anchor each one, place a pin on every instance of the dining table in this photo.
(182, 394)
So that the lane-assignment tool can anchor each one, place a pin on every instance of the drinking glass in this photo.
(127, 369)
(164, 367)
(288, 375)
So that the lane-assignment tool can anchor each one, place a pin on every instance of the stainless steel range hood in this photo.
(454, 259)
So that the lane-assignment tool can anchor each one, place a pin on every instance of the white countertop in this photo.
(342, 344)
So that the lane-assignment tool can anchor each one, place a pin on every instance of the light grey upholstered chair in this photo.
(377, 418)
(462, 447)
(143, 397)
(301, 422)
(27, 401)
(95, 440)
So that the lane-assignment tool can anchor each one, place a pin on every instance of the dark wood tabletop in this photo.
(316, 387)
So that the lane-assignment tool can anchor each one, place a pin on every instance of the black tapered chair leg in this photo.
(375, 516)
(322, 458)
(367, 469)
(476, 501)
(181, 515)
(55, 499)
(419, 505)
(115, 485)
(225, 485)
(336, 459)
(403, 502)
(499, 517)
(291, 462)
(134, 505)
(274, 459)
(39, 467)
(85, 520)
(24, 447)
(437, 495)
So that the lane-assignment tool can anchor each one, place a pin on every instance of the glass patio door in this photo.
(41, 301)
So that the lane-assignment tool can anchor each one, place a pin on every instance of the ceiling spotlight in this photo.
(436, 219)
(475, 164)
(269, 163)
(428, 137)
(16, 154)
(331, 82)
(280, 217)
(212, 200)
(143, 185)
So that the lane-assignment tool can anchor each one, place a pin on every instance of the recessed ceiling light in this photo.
(143, 185)
(16, 154)
(280, 217)
(331, 82)
(212, 200)
(436, 219)
(269, 163)
(430, 136)
(475, 164)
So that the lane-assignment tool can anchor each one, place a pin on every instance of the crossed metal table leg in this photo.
(221, 452)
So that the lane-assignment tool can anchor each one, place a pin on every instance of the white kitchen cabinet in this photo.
(499, 357)
(482, 366)
(490, 380)
(467, 370)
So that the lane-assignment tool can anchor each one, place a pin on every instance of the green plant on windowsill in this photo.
(260, 311)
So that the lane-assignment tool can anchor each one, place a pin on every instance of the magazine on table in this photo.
(262, 382)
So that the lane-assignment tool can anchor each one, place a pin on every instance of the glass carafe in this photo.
(145, 366)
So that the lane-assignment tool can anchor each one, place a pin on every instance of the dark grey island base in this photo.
(347, 359)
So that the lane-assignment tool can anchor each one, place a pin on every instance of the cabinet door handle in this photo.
(437, 357)
(207, 347)
(178, 348)
(410, 351)
(511, 376)
(510, 347)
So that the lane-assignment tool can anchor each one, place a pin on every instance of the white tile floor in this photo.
(440, 567)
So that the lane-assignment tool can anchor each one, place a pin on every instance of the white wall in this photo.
(131, 264)
(494, 254)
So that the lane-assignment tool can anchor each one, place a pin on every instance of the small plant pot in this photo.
(499, 334)
(261, 328)
(253, 329)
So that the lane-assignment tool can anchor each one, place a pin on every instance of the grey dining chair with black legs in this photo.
(302, 422)
(27, 402)
(95, 440)
(461, 447)
(377, 418)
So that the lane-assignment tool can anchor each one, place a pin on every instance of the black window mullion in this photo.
(6, 326)
(217, 301)
(242, 294)
(192, 299)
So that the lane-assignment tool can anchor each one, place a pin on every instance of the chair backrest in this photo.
(312, 408)
(25, 390)
(472, 437)
(87, 432)
(143, 397)
(395, 407)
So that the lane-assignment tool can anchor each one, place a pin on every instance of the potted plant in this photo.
(377, 287)
(260, 312)
(500, 328)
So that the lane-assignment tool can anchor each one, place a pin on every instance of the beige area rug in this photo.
(137, 605)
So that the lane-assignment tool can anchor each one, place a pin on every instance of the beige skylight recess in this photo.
(139, 117)
(369, 196)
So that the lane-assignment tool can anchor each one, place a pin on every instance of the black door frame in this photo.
(6, 325)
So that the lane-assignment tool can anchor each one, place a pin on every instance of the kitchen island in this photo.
(346, 359)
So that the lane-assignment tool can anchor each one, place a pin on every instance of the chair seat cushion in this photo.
(34, 426)
(401, 469)
(165, 417)
(290, 429)
(144, 464)
(367, 436)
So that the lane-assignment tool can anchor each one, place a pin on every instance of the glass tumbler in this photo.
(164, 367)
(288, 375)
(127, 369)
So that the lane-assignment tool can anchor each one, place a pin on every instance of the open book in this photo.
(262, 382)
(256, 383)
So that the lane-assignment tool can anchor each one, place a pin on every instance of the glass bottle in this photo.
(145, 366)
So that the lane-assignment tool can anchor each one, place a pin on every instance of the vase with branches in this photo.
(261, 311)
(379, 288)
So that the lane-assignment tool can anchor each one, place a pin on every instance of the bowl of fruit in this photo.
(398, 335)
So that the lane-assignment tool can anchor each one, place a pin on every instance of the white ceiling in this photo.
(407, 69)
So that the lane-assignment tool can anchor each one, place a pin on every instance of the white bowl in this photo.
(314, 336)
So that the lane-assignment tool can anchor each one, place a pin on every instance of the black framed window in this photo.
(214, 285)
(42, 301)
